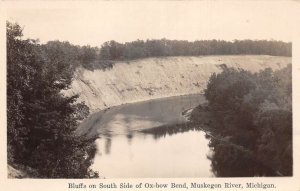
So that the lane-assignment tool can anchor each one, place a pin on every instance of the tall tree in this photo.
(41, 121)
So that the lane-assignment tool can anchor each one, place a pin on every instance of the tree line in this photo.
(41, 122)
(255, 112)
(104, 57)
(113, 50)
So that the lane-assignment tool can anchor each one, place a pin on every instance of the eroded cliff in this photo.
(150, 78)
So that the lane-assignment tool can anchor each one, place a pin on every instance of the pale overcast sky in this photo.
(96, 22)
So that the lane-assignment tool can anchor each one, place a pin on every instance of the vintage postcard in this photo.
(151, 95)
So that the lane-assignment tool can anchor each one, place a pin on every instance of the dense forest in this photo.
(41, 122)
(113, 50)
(254, 112)
(103, 58)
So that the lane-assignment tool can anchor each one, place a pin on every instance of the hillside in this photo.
(151, 78)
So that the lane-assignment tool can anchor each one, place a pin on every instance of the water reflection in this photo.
(128, 118)
(163, 131)
(180, 155)
(126, 149)
(107, 145)
(153, 140)
(228, 161)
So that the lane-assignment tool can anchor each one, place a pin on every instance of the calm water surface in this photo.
(126, 152)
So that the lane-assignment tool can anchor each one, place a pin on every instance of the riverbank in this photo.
(152, 78)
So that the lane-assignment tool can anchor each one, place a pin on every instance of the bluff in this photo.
(151, 78)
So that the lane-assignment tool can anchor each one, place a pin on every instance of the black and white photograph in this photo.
(159, 89)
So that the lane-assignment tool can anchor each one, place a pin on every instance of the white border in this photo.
(286, 183)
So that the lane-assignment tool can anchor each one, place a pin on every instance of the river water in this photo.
(124, 151)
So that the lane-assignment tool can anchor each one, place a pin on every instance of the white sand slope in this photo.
(150, 78)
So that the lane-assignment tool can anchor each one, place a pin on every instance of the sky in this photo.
(94, 22)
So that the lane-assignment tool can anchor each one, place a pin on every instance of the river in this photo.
(124, 151)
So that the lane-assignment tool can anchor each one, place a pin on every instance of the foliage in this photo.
(67, 55)
(113, 50)
(230, 162)
(70, 56)
(41, 121)
(255, 111)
